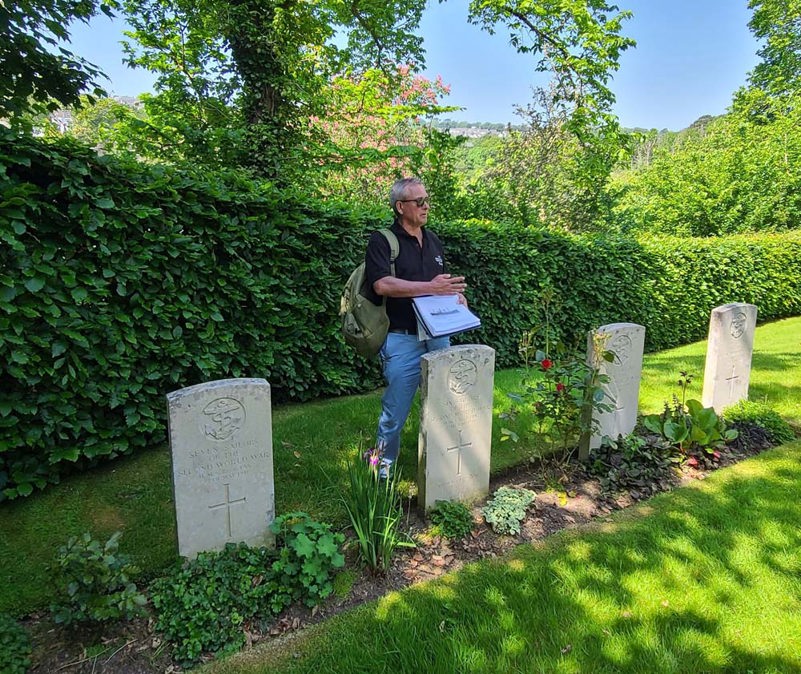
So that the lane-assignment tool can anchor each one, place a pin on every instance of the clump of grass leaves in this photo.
(374, 507)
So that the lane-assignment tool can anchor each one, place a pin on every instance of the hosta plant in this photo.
(688, 425)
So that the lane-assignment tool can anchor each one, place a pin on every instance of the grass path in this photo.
(311, 445)
(705, 578)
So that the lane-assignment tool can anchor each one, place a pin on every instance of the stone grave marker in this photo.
(627, 342)
(222, 464)
(728, 355)
(455, 424)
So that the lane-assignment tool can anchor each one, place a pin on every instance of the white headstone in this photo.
(455, 424)
(728, 354)
(222, 464)
(627, 342)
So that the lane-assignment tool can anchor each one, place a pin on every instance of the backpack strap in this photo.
(394, 247)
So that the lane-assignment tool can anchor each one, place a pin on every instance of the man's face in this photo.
(410, 213)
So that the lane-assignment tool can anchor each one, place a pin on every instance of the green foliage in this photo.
(762, 415)
(110, 126)
(545, 172)
(374, 130)
(507, 508)
(452, 519)
(39, 74)
(15, 646)
(94, 582)
(207, 604)
(120, 282)
(374, 507)
(244, 78)
(578, 41)
(735, 174)
(631, 462)
(308, 552)
(560, 393)
(240, 81)
(776, 26)
(687, 424)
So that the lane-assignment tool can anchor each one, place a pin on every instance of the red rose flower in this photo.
(546, 364)
(560, 387)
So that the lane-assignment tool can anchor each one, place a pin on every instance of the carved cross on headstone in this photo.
(227, 505)
(732, 380)
(458, 449)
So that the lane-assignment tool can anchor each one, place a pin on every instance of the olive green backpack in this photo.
(364, 324)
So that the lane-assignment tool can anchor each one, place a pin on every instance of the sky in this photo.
(691, 56)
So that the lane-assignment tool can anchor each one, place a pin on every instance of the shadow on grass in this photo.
(702, 579)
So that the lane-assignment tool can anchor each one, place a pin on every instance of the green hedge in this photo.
(668, 284)
(121, 282)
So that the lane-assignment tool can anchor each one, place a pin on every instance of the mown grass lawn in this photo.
(312, 443)
(705, 578)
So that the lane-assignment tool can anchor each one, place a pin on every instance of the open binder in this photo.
(442, 315)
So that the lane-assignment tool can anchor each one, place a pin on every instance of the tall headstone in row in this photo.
(728, 354)
(455, 424)
(222, 464)
(627, 342)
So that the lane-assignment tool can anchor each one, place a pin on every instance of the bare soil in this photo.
(567, 496)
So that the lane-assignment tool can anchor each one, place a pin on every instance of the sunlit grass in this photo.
(705, 578)
(775, 373)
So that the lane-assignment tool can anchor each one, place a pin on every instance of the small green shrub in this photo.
(760, 414)
(688, 425)
(204, 605)
(15, 646)
(93, 582)
(374, 507)
(452, 519)
(308, 554)
(630, 462)
(560, 392)
(506, 509)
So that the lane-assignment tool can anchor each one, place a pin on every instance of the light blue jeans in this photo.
(400, 357)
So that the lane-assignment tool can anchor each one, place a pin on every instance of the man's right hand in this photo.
(445, 284)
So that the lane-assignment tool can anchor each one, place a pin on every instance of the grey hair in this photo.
(398, 191)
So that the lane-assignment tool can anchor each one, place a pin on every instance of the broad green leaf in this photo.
(79, 294)
(34, 284)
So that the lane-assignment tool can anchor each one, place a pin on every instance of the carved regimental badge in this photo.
(738, 323)
(621, 347)
(224, 418)
(462, 375)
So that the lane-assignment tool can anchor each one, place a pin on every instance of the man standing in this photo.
(419, 270)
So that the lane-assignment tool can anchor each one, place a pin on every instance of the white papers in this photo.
(442, 315)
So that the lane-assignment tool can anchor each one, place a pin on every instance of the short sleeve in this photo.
(376, 260)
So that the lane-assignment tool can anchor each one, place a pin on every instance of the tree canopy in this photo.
(35, 77)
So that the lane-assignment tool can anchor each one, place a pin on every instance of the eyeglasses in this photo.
(421, 201)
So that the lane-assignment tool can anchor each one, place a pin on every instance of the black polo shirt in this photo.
(412, 264)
